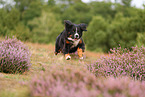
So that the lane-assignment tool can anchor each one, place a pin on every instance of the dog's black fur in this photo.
(70, 39)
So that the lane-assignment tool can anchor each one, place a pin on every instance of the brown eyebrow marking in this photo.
(70, 35)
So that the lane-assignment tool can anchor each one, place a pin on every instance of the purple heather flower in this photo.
(15, 56)
(120, 63)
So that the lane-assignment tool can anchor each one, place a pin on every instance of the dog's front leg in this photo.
(66, 52)
(80, 53)
(81, 49)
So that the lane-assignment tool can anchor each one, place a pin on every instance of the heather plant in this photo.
(80, 83)
(121, 87)
(121, 62)
(14, 56)
(66, 83)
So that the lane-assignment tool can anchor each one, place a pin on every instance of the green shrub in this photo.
(8, 20)
(102, 36)
(103, 9)
(121, 33)
(4, 31)
(45, 28)
(21, 32)
(33, 10)
(96, 37)
(71, 13)
(124, 31)
(140, 39)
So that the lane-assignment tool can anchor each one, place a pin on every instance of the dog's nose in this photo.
(77, 36)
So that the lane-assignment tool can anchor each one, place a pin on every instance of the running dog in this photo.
(70, 40)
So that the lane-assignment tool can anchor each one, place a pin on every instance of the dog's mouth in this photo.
(73, 39)
(76, 38)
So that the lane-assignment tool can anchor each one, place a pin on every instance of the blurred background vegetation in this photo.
(109, 24)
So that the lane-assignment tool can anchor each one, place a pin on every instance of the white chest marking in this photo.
(75, 42)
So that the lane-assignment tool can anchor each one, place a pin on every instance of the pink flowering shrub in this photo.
(121, 63)
(76, 83)
(67, 83)
(121, 87)
(14, 56)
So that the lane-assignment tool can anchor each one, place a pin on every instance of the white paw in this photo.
(68, 57)
(82, 58)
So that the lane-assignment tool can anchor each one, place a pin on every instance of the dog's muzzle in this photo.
(76, 36)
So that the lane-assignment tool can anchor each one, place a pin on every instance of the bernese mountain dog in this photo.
(70, 40)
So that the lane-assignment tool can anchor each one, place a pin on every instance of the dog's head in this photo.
(74, 31)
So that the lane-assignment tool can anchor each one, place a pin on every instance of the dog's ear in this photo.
(68, 24)
(83, 26)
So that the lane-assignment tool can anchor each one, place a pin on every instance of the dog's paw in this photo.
(81, 58)
(55, 53)
(67, 57)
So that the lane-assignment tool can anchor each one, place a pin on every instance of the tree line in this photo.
(109, 24)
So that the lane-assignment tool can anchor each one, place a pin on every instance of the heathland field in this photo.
(42, 59)
(116, 30)
(119, 74)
